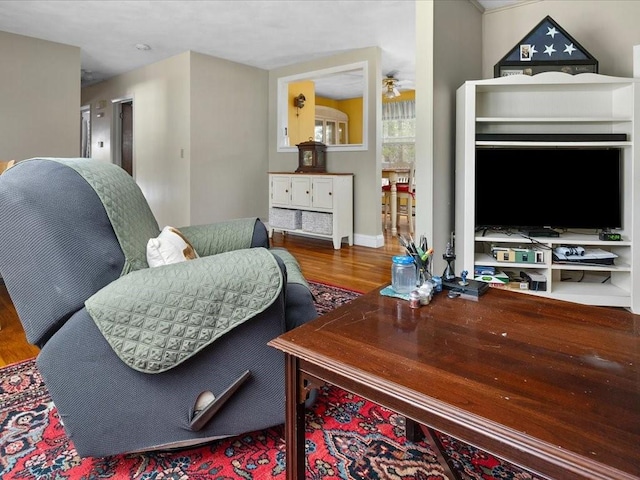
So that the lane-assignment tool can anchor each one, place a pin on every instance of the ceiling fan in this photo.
(389, 85)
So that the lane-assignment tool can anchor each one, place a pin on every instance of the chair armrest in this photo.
(300, 306)
(157, 318)
(226, 236)
(294, 273)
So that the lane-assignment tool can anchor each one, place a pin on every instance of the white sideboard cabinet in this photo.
(317, 204)
(548, 103)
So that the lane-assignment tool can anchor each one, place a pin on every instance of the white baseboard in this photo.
(371, 241)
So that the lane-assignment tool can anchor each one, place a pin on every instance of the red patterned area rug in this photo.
(347, 437)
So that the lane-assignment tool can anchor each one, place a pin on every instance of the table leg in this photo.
(412, 430)
(431, 438)
(393, 181)
(294, 420)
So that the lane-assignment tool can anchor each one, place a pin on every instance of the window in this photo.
(331, 126)
(399, 131)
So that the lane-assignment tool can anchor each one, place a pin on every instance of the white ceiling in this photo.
(262, 33)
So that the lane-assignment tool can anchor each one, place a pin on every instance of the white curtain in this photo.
(398, 132)
(405, 110)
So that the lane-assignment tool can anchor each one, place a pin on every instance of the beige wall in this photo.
(449, 51)
(39, 98)
(229, 160)
(607, 29)
(365, 165)
(161, 126)
(199, 136)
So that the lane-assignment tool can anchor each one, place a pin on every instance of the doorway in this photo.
(85, 131)
(123, 133)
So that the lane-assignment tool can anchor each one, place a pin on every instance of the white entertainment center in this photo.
(548, 103)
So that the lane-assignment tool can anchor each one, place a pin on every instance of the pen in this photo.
(427, 254)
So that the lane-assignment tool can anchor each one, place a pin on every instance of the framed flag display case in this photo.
(546, 48)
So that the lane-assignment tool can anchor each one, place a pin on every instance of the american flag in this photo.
(547, 42)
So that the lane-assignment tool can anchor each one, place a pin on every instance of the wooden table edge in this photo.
(496, 439)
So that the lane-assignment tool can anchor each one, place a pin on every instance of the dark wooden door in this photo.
(126, 115)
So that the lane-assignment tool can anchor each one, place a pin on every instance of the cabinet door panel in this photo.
(300, 192)
(280, 190)
(323, 193)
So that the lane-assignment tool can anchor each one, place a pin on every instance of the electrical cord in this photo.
(535, 242)
(571, 279)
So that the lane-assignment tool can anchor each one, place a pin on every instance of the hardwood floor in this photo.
(356, 268)
(13, 343)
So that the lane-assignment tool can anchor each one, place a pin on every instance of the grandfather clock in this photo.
(312, 157)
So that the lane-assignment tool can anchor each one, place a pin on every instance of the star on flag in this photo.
(548, 49)
(551, 31)
(569, 48)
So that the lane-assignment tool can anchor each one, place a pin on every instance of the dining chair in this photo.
(405, 189)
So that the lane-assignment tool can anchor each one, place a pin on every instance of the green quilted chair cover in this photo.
(156, 318)
(294, 273)
(127, 209)
(177, 310)
(220, 236)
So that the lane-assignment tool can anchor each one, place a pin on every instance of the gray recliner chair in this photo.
(138, 358)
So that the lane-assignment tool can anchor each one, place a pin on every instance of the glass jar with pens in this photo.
(421, 255)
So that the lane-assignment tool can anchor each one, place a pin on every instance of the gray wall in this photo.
(448, 53)
(200, 142)
(228, 140)
(161, 126)
(39, 98)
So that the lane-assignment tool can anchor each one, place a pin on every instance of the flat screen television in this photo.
(564, 188)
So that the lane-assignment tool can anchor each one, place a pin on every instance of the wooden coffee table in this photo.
(550, 386)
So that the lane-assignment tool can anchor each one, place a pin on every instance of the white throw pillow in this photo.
(171, 246)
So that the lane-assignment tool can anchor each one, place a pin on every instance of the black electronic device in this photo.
(610, 236)
(472, 288)
(536, 281)
(540, 232)
(527, 187)
(552, 137)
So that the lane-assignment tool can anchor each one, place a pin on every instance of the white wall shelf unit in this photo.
(323, 202)
(549, 103)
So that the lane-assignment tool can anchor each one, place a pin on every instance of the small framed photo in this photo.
(525, 52)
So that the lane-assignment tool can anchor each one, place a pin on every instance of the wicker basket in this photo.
(285, 218)
(317, 222)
